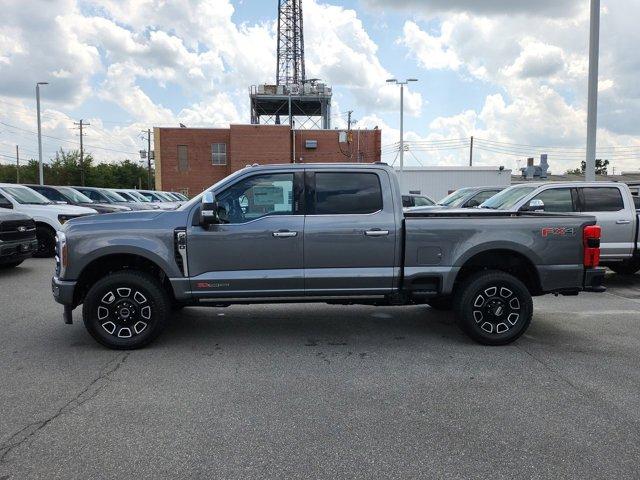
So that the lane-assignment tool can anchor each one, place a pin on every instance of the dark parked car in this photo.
(72, 196)
(17, 239)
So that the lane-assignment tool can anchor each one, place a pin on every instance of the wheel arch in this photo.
(506, 260)
(116, 262)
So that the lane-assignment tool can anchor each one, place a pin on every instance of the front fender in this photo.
(84, 250)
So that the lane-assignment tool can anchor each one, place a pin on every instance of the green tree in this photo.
(602, 168)
(65, 169)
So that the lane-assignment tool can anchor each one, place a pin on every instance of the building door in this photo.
(257, 250)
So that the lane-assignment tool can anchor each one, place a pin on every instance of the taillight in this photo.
(591, 238)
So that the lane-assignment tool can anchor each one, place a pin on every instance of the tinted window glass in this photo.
(407, 201)
(556, 200)
(599, 199)
(257, 197)
(636, 202)
(4, 202)
(94, 195)
(50, 193)
(347, 193)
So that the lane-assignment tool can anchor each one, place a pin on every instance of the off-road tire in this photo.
(123, 320)
(493, 307)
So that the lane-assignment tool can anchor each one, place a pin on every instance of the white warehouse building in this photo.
(438, 182)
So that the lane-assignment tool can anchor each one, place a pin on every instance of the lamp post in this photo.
(402, 84)
(40, 168)
(592, 115)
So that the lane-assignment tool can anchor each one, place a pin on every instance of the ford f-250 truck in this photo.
(318, 233)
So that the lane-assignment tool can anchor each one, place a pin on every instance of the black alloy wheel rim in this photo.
(497, 310)
(124, 312)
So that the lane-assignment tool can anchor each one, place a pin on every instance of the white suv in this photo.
(49, 216)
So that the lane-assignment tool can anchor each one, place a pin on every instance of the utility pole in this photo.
(471, 152)
(402, 84)
(592, 115)
(40, 167)
(148, 138)
(17, 164)
(149, 159)
(349, 113)
(81, 124)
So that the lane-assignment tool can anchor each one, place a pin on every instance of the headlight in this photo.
(62, 254)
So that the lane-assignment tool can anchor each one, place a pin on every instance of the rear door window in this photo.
(602, 199)
(347, 193)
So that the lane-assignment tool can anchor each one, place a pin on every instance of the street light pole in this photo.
(40, 167)
(402, 84)
(592, 115)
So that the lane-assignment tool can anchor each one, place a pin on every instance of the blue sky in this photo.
(510, 72)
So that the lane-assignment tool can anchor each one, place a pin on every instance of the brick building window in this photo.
(219, 154)
(183, 158)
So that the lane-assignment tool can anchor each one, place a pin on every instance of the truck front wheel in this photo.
(126, 310)
(493, 307)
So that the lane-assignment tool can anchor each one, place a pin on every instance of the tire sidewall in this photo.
(476, 285)
(144, 283)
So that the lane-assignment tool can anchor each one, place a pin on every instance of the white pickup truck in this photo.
(49, 216)
(611, 203)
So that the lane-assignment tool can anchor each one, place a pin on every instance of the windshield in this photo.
(114, 197)
(508, 198)
(165, 197)
(152, 196)
(74, 195)
(454, 199)
(26, 196)
(139, 197)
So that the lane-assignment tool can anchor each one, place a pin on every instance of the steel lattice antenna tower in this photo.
(290, 43)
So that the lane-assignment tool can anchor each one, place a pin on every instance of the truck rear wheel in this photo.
(126, 310)
(493, 307)
(629, 267)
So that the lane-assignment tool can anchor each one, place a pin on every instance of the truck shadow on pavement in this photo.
(309, 325)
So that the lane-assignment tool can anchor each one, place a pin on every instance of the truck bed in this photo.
(438, 244)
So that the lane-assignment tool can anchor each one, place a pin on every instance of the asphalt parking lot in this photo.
(314, 391)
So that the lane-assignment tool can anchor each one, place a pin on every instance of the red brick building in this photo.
(192, 159)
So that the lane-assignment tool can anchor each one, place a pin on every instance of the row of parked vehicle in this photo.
(37, 212)
(613, 205)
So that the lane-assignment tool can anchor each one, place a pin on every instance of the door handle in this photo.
(376, 232)
(623, 222)
(285, 234)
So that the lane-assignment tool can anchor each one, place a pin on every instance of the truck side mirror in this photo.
(536, 205)
(208, 210)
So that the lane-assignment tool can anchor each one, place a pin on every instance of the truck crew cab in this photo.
(318, 233)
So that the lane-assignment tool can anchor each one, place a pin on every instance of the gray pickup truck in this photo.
(318, 233)
(611, 203)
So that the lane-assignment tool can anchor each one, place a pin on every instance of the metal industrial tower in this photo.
(290, 43)
(294, 99)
